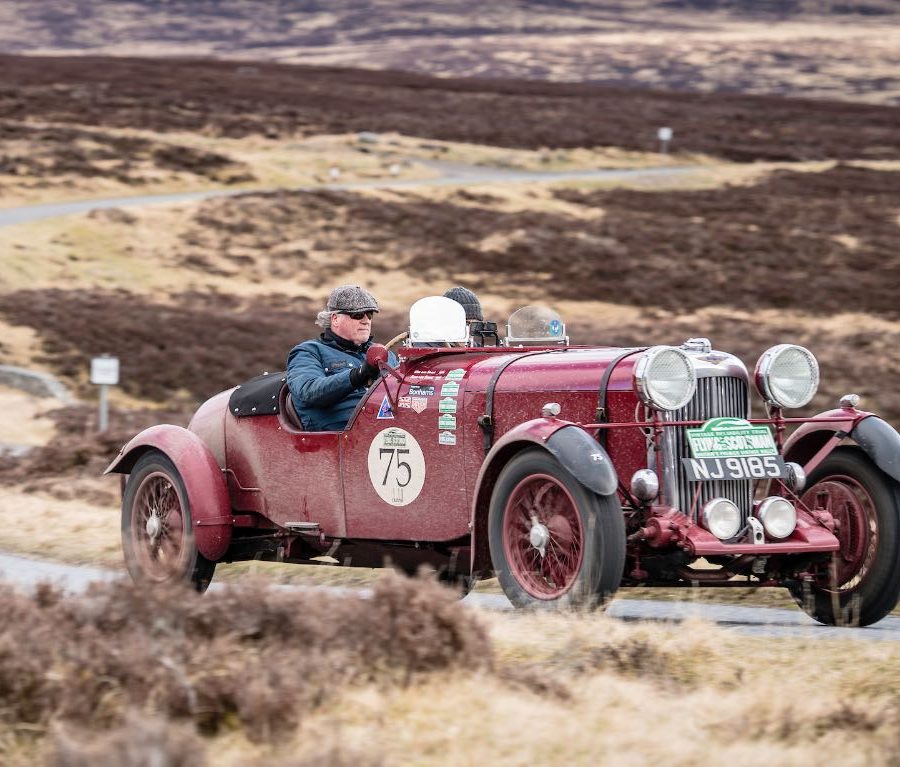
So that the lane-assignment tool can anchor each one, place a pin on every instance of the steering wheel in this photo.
(396, 340)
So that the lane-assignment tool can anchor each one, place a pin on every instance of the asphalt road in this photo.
(450, 175)
(754, 621)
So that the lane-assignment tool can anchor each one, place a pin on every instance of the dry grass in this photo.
(251, 676)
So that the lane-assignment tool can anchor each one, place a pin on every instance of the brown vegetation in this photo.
(251, 656)
(846, 49)
(815, 245)
(226, 98)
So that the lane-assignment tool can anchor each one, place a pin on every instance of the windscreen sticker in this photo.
(447, 405)
(447, 421)
(396, 466)
(385, 411)
(450, 389)
(456, 375)
(447, 438)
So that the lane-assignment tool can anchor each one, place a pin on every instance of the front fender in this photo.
(881, 443)
(877, 438)
(571, 445)
(202, 477)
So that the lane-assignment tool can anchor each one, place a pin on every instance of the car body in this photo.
(568, 471)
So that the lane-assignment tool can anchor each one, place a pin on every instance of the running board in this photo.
(304, 528)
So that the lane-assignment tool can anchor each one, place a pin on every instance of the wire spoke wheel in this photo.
(157, 536)
(543, 536)
(860, 583)
(553, 541)
(854, 513)
(158, 527)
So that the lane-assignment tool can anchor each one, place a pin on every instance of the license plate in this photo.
(734, 468)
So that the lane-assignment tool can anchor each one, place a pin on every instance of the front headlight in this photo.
(778, 516)
(664, 378)
(722, 518)
(787, 375)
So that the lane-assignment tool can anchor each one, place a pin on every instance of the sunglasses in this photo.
(359, 315)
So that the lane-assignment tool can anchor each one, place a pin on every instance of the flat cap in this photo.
(351, 298)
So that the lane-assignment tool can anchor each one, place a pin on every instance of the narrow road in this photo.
(450, 174)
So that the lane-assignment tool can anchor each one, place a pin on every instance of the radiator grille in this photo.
(716, 397)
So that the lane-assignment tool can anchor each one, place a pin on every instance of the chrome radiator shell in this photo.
(722, 391)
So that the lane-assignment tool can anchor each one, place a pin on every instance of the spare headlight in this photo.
(787, 375)
(664, 378)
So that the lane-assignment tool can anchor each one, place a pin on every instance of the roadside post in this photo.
(104, 373)
(665, 136)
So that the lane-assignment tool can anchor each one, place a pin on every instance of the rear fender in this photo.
(571, 445)
(877, 439)
(202, 477)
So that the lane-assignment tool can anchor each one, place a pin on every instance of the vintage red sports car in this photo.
(567, 471)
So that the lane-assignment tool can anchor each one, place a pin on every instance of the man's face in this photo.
(350, 329)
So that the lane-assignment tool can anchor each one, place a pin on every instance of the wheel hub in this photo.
(539, 536)
(154, 527)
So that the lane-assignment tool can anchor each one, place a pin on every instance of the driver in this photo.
(327, 376)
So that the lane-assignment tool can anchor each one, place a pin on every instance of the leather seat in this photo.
(286, 407)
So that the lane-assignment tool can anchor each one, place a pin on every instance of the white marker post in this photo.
(665, 136)
(104, 373)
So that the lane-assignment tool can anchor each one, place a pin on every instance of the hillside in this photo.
(822, 49)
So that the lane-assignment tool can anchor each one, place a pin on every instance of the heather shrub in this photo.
(248, 656)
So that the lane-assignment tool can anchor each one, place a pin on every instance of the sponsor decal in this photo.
(421, 391)
(447, 405)
(450, 389)
(447, 438)
(447, 421)
(413, 403)
(456, 375)
(396, 466)
(727, 437)
(385, 411)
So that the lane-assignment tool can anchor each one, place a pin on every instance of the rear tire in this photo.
(554, 543)
(157, 529)
(862, 583)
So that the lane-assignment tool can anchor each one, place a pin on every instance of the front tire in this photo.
(554, 543)
(862, 582)
(157, 530)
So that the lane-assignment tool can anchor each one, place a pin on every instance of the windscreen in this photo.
(535, 324)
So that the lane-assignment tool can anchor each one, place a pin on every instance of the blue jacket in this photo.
(318, 376)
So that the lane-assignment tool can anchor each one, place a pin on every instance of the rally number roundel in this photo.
(396, 466)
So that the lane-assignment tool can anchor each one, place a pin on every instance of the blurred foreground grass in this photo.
(250, 676)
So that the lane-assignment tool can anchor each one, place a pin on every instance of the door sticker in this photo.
(396, 466)
(450, 389)
(447, 405)
(447, 438)
(385, 411)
